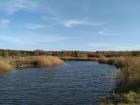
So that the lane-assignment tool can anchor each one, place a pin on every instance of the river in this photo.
(74, 83)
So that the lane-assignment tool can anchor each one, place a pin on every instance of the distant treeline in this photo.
(68, 53)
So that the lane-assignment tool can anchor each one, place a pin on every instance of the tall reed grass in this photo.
(128, 78)
(29, 61)
(45, 61)
(5, 66)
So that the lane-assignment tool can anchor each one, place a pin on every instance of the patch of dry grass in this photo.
(5, 66)
(33, 61)
(128, 78)
(45, 61)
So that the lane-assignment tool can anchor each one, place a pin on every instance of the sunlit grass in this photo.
(31, 61)
(128, 78)
(45, 61)
(5, 66)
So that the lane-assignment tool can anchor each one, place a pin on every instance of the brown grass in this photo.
(45, 61)
(33, 61)
(128, 78)
(5, 66)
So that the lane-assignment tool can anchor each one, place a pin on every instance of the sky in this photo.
(88, 25)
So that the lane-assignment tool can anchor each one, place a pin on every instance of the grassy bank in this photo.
(9, 63)
(127, 91)
(5, 66)
(69, 58)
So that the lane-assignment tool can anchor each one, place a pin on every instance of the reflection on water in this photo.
(76, 83)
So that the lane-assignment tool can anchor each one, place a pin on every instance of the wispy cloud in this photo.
(35, 26)
(13, 6)
(74, 22)
(69, 23)
(108, 32)
(31, 40)
(4, 23)
(105, 33)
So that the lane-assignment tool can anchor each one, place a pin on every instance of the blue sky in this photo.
(70, 24)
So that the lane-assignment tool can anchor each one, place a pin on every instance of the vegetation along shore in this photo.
(9, 63)
(127, 90)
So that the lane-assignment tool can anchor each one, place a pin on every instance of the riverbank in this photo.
(75, 83)
(78, 58)
(9, 63)
(127, 91)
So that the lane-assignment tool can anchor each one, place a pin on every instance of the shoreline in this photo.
(125, 84)
(77, 59)
(9, 63)
(127, 90)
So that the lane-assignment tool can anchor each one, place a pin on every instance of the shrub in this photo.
(130, 97)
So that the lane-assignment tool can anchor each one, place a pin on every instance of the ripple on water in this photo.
(76, 83)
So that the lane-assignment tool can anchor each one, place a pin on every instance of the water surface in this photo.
(75, 83)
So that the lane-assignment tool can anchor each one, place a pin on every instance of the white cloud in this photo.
(31, 39)
(69, 23)
(13, 6)
(4, 22)
(73, 22)
(105, 33)
(35, 26)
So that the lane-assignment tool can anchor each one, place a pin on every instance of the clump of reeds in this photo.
(129, 76)
(36, 61)
(117, 61)
(102, 60)
(5, 66)
(45, 61)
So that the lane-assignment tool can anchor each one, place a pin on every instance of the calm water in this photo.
(75, 83)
